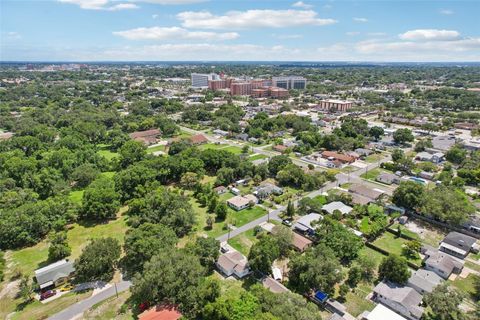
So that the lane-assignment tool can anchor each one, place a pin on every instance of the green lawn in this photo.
(373, 158)
(371, 254)
(107, 154)
(320, 199)
(108, 174)
(31, 258)
(233, 149)
(156, 148)
(76, 196)
(466, 285)
(390, 243)
(372, 174)
(237, 219)
(405, 231)
(212, 146)
(356, 302)
(257, 157)
(243, 242)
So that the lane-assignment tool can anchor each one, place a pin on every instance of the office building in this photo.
(241, 88)
(335, 105)
(200, 80)
(290, 82)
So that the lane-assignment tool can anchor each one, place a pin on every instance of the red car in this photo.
(47, 294)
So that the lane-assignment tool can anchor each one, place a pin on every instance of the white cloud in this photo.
(363, 20)
(173, 33)
(352, 33)
(110, 6)
(100, 5)
(446, 12)
(155, 16)
(251, 19)
(430, 35)
(377, 34)
(301, 4)
(12, 35)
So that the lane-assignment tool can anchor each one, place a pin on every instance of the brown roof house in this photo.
(343, 158)
(198, 139)
(146, 137)
(233, 263)
(241, 202)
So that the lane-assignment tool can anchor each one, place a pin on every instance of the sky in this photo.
(239, 30)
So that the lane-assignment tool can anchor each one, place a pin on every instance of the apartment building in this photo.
(290, 82)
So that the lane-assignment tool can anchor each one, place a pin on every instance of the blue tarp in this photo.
(321, 296)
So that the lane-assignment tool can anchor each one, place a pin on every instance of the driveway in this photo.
(82, 306)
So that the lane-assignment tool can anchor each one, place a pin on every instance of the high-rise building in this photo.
(216, 84)
(240, 88)
(200, 80)
(290, 82)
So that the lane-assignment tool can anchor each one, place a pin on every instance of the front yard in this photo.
(393, 244)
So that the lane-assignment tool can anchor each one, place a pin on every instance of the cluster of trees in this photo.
(445, 203)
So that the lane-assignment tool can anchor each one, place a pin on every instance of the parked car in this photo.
(287, 222)
(67, 287)
(47, 294)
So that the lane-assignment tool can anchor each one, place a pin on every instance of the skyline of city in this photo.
(197, 30)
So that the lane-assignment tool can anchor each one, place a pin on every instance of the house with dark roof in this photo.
(404, 300)
(273, 285)
(198, 139)
(365, 191)
(267, 189)
(54, 274)
(458, 244)
(146, 137)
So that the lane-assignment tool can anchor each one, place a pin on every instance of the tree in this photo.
(409, 195)
(447, 204)
(290, 212)
(97, 260)
(25, 289)
(59, 247)
(221, 211)
(225, 176)
(444, 302)
(411, 249)
(207, 250)
(245, 149)
(367, 266)
(343, 290)
(171, 275)
(262, 254)
(100, 200)
(402, 136)
(283, 237)
(277, 163)
(456, 154)
(394, 268)
(423, 144)
(210, 221)
(84, 174)
(165, 207)
(317, 269)
(354, 275)
(376, 132)
(189, 180)
(143, 242)
(397, 154)
(132, 151)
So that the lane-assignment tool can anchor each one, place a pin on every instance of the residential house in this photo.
(161, 312)
(235, 191)
(343, 158)
(363, 152)
(300, 243)
(273, 285)
(241, 202)
(337, 205)
(219, 132)
(404, 300)
(304, 224)
(441, 263)
(427, 175)
(380, 312)
(54, 274)
(233, 263)
(220, 190)
(424, 281)
(388, 178)
(267, 189)
(435, 157)
(365, 191)
(198, 139)
(146, 137)
(458, 244)
(443, 143)
(280, 148)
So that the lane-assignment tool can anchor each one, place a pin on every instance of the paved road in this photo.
(82, 306)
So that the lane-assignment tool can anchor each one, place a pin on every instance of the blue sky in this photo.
(161, 30)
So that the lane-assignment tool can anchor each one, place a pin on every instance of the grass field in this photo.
(466, 285)
(371, 254)
(109, 309)
(156, 148)
(389, 242)
(356, 302)
(257, 157)
(373, 158)
(106, 153)
(226, 147)
(243, 242)
(372, 174)
(76, 196)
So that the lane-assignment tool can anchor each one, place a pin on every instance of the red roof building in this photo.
(164, 312)
(198, 139)
(147, 137)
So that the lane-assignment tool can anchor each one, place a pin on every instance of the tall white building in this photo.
(290, 82)
(200, 80)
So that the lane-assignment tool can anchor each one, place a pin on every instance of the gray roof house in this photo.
(266, 190)
(304, 224)
(424, 281)
(337, 205)
(442, 263)
(387, 178)
(365, 191)
(458, 244)
(403, 300)
(54, 273)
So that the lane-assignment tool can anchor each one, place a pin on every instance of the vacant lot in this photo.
(243, 242)
(392, 244)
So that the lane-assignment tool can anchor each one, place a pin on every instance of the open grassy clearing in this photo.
(392, 244)
(466, 285)
(243, 242)
(372, 174)
(371, 254)
(156, 148)
(373, 158)
(109, 309)
(257, 156)
(356, 301)
(76, 196)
